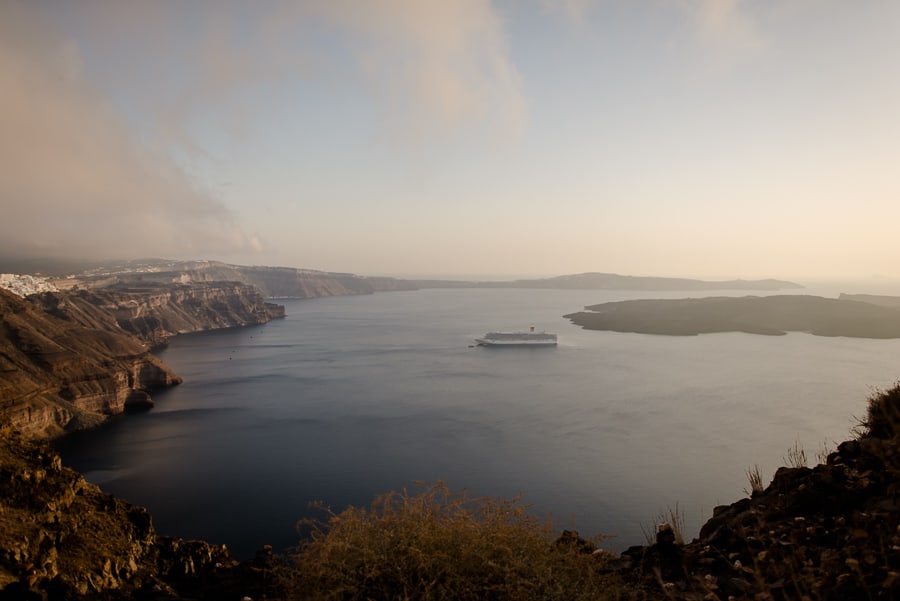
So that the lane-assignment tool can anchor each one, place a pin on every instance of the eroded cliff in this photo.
(277, 282)
(153, 312)
(58, 375)
(68, 360)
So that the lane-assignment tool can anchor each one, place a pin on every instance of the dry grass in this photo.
(674, 518)
(756, 481)
(823, 452)
(796, 456)
(436, 544)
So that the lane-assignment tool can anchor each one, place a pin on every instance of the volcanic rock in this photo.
(56, 375)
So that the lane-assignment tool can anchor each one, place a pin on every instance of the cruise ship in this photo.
(529, 338)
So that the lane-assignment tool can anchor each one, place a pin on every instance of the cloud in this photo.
(92, 171)
(727, 27)
(435, 67)
(574, 10)
(75, 182)
(104, 171)
(432, 68)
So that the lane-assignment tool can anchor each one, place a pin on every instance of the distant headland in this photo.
(614, 281)
(294, 282)
(767, 315)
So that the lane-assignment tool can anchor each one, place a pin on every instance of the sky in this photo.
(691, 138)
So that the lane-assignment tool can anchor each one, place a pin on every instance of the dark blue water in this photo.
(351, 397)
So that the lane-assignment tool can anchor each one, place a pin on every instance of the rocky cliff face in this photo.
(57, 375)
(67, 361)
(153, 312)
(272, 282)
(286, 282)
(70, 359)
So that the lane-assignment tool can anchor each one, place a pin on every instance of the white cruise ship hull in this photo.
(517, 339)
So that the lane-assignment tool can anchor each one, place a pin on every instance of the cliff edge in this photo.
(828, 532)
(62, 538)
(56, 375)
(272, 282)
(68, 360)
(154, 312)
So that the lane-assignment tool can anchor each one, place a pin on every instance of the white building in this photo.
(23, 285)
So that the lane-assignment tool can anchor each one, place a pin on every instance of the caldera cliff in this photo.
(153, 312)
(272, 282)
(68, 360)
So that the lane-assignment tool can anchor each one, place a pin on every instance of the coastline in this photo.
(765, 315)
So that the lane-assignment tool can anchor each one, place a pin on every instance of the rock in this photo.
(138, 399)
(68, 360)
(57, 376)
(155, 311)
(63, 538)
(829, 532)
(570, 539)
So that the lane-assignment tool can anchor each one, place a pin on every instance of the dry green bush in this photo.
(882, 415)
(437, 544)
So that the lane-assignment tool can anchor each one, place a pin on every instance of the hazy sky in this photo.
(716, 138)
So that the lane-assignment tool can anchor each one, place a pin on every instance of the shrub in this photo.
(437, 544)
(882, 415)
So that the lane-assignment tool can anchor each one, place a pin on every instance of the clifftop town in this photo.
(24, 285)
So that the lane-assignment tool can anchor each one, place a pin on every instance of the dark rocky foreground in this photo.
(768, 315)
(63, 538)
(830, 532)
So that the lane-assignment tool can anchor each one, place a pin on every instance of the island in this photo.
(768, 315)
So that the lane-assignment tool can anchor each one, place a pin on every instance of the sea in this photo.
(351, 397)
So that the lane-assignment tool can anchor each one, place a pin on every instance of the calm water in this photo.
(350, 397)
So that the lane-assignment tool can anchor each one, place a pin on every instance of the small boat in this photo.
(529, 338)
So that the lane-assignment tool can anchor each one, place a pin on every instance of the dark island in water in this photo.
(873, 317)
